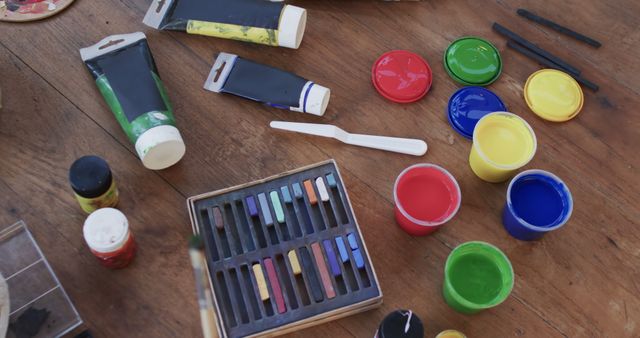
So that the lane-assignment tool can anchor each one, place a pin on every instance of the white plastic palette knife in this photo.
(393, 144)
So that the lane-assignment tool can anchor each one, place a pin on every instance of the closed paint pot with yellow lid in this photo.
(553, 95)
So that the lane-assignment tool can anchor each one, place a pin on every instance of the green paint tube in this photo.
(127, 78)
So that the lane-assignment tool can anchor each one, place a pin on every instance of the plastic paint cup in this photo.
(426, 196)
(502, 143)
(473, 61)
(451, 334)
(477, 276)
(553, 95)
(537, 202)
(468, 105)
(401, 76)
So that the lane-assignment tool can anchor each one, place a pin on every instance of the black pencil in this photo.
(517, 38)
(564, 30)
(541, 60)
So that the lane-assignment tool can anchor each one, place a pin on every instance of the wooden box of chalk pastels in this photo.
(284, 253)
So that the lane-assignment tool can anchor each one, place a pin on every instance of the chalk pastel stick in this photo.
(352, 241)
(277, 206)
(357, 256)
(251, 205)
(295, 263)
(324, 272)
(331, 256)
(342, 249)
(297, 190)
(262, 283)
(311, 277)
(331, 180)
(322, 190)
(275, 285)
(286, 195)
(217, 218)
(264, 206)
(313, 199)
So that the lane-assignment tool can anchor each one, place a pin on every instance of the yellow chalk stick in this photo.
(262, 283)
(295, 264)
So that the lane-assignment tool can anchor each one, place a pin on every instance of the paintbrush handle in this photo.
(394, 144)
(209, 328)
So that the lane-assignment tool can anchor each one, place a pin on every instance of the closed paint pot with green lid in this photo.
(473, 61)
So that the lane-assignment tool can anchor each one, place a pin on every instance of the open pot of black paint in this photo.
(400, 324)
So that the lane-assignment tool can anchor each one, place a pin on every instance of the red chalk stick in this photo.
(324, 272)
(275, 285)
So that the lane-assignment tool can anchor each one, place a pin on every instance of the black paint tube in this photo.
(266, 22)
(127, 78)
(272, 86)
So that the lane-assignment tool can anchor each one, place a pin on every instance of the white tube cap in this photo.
(160, 147)
(106, 230)
(293, 22)
(317, 100)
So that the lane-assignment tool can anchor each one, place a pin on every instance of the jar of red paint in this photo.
(426, 196)
(109, 238)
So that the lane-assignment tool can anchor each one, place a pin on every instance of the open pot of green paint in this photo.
(477, 276)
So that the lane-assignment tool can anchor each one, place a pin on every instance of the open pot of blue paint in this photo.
(538, 202)
(468, 105)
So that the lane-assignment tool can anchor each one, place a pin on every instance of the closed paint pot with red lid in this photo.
(401, 76)
(107, 234)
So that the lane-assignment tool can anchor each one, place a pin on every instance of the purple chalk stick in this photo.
(251, 204)
(331, 255)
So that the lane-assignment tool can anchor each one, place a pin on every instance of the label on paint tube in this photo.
(127, 78)
(265, 22)
(272, 86)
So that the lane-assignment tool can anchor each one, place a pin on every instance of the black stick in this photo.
(541, 60)
(517, 38)
(564, 30)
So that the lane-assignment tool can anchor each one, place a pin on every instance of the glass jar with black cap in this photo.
(401, 324)
(93, 183)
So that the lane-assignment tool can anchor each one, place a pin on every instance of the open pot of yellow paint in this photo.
(502, 143)
(553, 95)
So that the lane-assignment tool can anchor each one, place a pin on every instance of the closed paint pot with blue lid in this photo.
(468, 105)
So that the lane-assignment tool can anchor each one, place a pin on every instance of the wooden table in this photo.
(581, 281)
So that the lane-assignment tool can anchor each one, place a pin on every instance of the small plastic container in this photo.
(426, 196)
(538, 202)
(502, 143)
(451, 334)
(477, 276)
(401, 324)
(107, 234)
(473, 61)
(468, 105)
(401, 76)
(553, 95)
(93, 183)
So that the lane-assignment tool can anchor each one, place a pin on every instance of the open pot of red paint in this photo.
(426, 196)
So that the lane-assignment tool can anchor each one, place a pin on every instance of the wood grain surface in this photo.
(581, 281)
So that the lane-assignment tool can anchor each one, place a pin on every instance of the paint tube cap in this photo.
(401, 76)
(160, 147)
(106, 230)
(293, 22)
(473, 61)
(451, 334)
(468, 105)
(401, 324)
(317, 100)
(553, 95)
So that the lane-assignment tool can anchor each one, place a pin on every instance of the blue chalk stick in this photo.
(285, 194)
(331, 255)
(344, 254)
(297, 190)
(357, 256)
(266, 213)
(352, 241)
(331, 181)
(251, 204)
